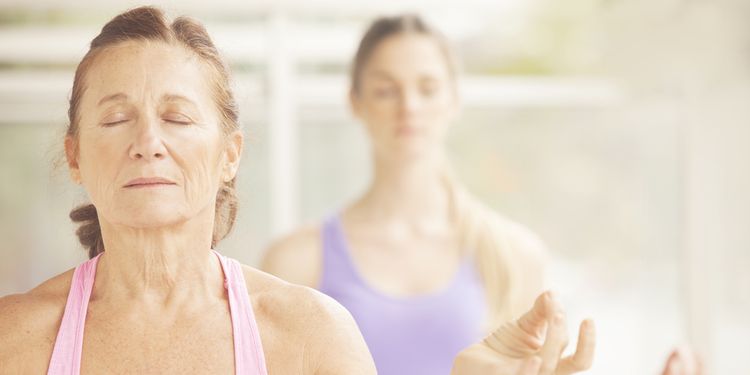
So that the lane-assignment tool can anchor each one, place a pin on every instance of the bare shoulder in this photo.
(297, 257)
(312, 321)
(29, 325)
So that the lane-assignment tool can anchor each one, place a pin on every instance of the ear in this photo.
(71, 156)
(233, 155)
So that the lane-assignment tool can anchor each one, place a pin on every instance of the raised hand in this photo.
(683, 361)
(530, 345)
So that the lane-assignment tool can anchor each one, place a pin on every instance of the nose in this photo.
(409, 102)
(147, 143)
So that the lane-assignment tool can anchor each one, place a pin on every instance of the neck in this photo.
(162, 265)
(411, 193)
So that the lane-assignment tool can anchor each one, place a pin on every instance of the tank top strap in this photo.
(66, 354)
(337, 264)
(248, 350)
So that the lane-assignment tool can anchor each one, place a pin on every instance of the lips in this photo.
(148, 182)
(407, 130)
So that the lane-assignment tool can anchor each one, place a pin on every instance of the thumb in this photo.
(534, 322)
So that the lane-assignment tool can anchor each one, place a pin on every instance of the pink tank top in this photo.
(248, 352)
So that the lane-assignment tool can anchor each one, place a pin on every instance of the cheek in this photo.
(440, 112)
(200, 163)
(99, 161)
(380, 118)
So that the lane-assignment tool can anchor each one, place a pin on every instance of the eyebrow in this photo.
(381, 74)
(114, 97)
(176, 98)
(166, 97)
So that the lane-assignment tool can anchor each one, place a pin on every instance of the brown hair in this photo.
(385, 27)
(150, 24)
(489, 238)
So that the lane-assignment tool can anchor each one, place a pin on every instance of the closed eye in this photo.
(385, 92)
(113, 123)
(178, 122)
(178, 119)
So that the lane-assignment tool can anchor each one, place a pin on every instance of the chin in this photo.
(153, 220)
(150, 214)
(413, 151)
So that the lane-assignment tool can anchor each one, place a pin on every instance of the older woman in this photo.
(153, 139)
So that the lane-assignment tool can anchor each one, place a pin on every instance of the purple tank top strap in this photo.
(337, 266)
(66, 354)
(248, 350)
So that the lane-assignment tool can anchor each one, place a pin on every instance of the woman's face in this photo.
(150, 149)
(406, 97)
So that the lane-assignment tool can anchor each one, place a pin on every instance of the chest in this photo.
(405, 266)
(131, 341)
(122, 344)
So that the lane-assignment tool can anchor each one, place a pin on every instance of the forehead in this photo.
(408, 55)
(146, 70)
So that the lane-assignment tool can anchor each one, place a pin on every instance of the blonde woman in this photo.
(424, 268)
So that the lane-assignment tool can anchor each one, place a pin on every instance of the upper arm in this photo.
(336, 345)
(29, 324)
(305, 331)
(296, 258)
(28, 328)
(10, 311)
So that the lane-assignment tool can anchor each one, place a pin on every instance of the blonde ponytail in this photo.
(491, 242)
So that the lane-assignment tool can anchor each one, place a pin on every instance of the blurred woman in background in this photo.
(424, 267)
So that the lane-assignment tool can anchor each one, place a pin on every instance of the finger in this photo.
(530, 366)
(525, 335)
(535, 320)
(691, 361)
(527, 343)
(699, 368)
(557, 339)
(672, 365)
(511, 341)
(583, 357)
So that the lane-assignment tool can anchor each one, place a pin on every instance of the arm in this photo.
(303, 330)
(11, 355)
(336, 345)
(28, 327)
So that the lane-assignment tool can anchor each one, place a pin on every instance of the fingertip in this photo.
(552, 294)
(558, 318)
(588, 325)
(549, 302)
(543, 300)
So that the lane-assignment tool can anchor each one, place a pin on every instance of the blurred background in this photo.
(618, 130)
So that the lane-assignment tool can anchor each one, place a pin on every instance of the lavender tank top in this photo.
(415, 335)
(248, 351)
